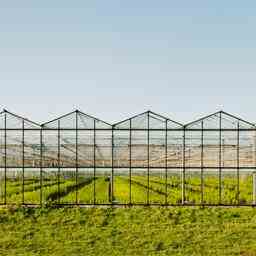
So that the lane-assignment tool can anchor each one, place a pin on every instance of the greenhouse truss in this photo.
(147, 159)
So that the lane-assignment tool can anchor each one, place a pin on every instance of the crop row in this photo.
(138, 190)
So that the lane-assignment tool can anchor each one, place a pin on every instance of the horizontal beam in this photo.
(134, 167)
(110, 129)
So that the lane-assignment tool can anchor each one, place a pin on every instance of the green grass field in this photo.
(128, 231)
(131, 231)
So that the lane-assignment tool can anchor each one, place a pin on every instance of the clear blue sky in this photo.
(113, 59)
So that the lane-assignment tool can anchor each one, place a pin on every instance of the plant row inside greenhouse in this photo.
(147, 159)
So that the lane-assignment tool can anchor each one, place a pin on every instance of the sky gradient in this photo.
(114, 59)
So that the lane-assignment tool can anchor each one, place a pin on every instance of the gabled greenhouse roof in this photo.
(77, 119)
(219, 120)
(14, 121)
(148, 120)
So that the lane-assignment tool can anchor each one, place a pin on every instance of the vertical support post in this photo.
(76, 157)
(254, 187)
(41, 167)
(58, 161)
(254, 149)
(184, 168)
(166, 162)
(254, 167)
(202, 162)
(94, 162)
(220, 158)
(23, 161)
(130, 160)
(112, 196)
(5, 157)
(238, 163)
(148, 140)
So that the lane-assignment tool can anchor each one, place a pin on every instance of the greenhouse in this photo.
(147, 159)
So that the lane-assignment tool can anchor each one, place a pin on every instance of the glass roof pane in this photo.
(12, 122)
(232, 122)
(140, 122)
(102, 125)
(30, 125)
(173, 125)
(16, 122)
(156, 122)
(51, 125)
(68, 122)
(64, 122)
(2, 121)
(214, 121)
(228, 122)
(209, 122)
(123, 125)
(82, 120)
(85, 122)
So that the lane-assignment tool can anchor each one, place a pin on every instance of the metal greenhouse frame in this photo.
(147, 159)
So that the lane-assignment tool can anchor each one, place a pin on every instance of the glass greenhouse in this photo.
(147, 159)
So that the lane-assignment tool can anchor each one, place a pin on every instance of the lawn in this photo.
(128, 231)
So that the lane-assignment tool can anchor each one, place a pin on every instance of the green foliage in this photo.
(143, 191)
(130, 231)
